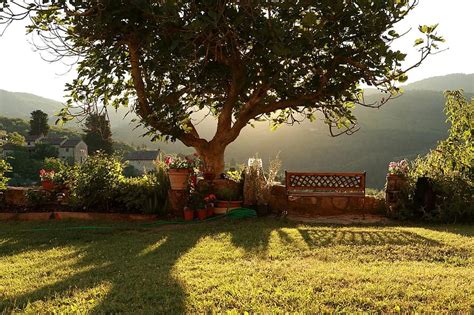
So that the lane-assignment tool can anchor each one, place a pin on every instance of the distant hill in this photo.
(447, 82)
(20, 105)
(405, 127)
(22, 127)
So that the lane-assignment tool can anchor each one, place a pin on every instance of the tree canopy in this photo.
(237, 61)
(98, 135)
(39, 123)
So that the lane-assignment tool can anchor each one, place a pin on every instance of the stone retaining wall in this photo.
(322, 205)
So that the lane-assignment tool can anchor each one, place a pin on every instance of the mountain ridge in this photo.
(405, 127)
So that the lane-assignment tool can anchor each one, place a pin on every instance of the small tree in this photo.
(98, 135)
(238, 61)
(39, 123)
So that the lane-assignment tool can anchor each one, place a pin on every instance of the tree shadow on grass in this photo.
(138, 264)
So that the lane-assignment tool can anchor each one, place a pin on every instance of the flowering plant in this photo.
(398, 168)
(182, 162)
(46, 175)
(210, 198)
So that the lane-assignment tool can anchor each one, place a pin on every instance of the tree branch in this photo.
(145, 111)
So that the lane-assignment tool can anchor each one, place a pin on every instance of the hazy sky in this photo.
(23, 70)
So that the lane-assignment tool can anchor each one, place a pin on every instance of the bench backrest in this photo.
(325, 182)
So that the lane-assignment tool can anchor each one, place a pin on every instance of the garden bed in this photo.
(69, 215)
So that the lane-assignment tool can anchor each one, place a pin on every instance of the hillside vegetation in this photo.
(404, 128)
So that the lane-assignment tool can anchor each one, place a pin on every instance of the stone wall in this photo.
(15, 196)
(322, 205)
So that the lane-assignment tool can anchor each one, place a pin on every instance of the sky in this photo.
(23, 70)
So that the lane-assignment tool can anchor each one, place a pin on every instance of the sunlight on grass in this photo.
(259, 265)
(152, 248)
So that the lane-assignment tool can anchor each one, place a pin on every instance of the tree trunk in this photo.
(213, 158)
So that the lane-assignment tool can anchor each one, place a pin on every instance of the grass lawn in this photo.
(250, 265)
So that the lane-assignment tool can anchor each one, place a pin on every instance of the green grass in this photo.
(250, 265)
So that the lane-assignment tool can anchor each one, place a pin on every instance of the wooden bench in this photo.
(325, 184)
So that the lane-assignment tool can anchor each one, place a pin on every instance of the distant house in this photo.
(32, 141)
(69, 150)
(73, 150)
(142, 161)
(55, 142)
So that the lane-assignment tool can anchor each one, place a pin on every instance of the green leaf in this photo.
(419, 41)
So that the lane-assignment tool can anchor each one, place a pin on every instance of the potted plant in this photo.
(209, 199)
(47, 179)
(180, 169)
(227, 199)
(188, 214)
(397, 175)
(198, 203)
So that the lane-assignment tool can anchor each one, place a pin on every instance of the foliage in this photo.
(38, 198)
(145, 194)
(61, 169)
(234, 175)
(39, 123)
(25, 169)
(398, 168)
(98, 135)
(450, 165)
(95, 182)
(196, 201)
(259, 60)
(43, 151)
(15, 138)
(5, 168)
(259, 266)
(98, 184)
(228, 194)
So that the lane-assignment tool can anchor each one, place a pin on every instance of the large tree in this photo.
(98, 135)
(39, 123)
(237, 61)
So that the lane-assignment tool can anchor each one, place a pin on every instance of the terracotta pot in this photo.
(179, 178)
(202, 214)
(210, 212)
(188, 215)
(47, 185)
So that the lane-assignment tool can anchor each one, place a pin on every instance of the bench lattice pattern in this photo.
(325, 181)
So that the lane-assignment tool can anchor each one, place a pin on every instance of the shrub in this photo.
(62, 171)
(450, 165)
(4, 169)
(98, 184)
(95, 183)
(39, 198)
(145, 194)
